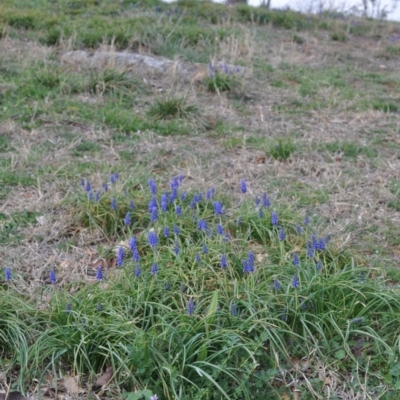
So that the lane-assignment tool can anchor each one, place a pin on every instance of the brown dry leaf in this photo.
(260, 160)
(104, 379)
(328, 381)
(285, 396)
(70, 384)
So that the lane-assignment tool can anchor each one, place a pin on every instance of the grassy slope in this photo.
(324, 89)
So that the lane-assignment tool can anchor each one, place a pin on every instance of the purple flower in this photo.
(7, 273)
(153, 188)
(132, 244)
(314, 242)
(243, 186)
(155, 397)
(82, 182)
(299, 229)
(135, 255)
(276, 285)
(197, 258)
(274, 218)
(321, 244)
(234, 310)
(310, 250)
(190, 307)
(105, 187)
(97, 197)
(99, 273)
(220, 229)
(166, 231)
(260, 213)
(224, 262)
(204, 249)
(154, 269)
(202, 225)
(113, 204)
(152, 238)
(127, 219)
(120, 256)
(88, 187)
(296, 260)
(131, 205)
(306, 220)
(319, 265)
(173, 195)
(265, 200)
(138, 272)
(52, 276)
(164, 202)
(176, 230)
(176, 247)
(281, 234)
(178, 210)
(154, 215)
(112, 179)
(295, 282)
(90, 196)
(152, 204)
(183, 196)
(217, 208)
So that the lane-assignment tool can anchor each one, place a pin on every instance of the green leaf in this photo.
(139, 395)
(340, 354)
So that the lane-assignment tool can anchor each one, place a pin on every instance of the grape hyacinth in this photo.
(178, 210)
(127, 219)
(131, 205)
(220, 230)
(310, 250)
(99, 273)
(135, 255)
(197, 258)
(152, 204)
(176, 230)
(52, 276)
(113, 204)
(120, 256)
(88, 187)
(296, 260)
(105, 187)
(154, 215)
(97, 197)
(243, 186)
(274, 218)
(299, 229)
(7, 273)
(202, 225)
(204, 249)
(276, 285)
(190, 307)
(152, 238)
(132, 244)
(176, 248)
(217, 208)
(138, 272)
(265, 200)
(281, 234)
(153, 187)
(154, 269)
(166, 231)
(164, 202)
(319, 265)
(224, 262)
(295, 282)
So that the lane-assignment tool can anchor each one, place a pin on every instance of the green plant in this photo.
(170, 108)
(281, 149)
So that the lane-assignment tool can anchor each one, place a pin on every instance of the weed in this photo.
(281, 149)
(171, 108)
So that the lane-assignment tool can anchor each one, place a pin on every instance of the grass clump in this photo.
(204, 301)
(172, 108)
(281, 149)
